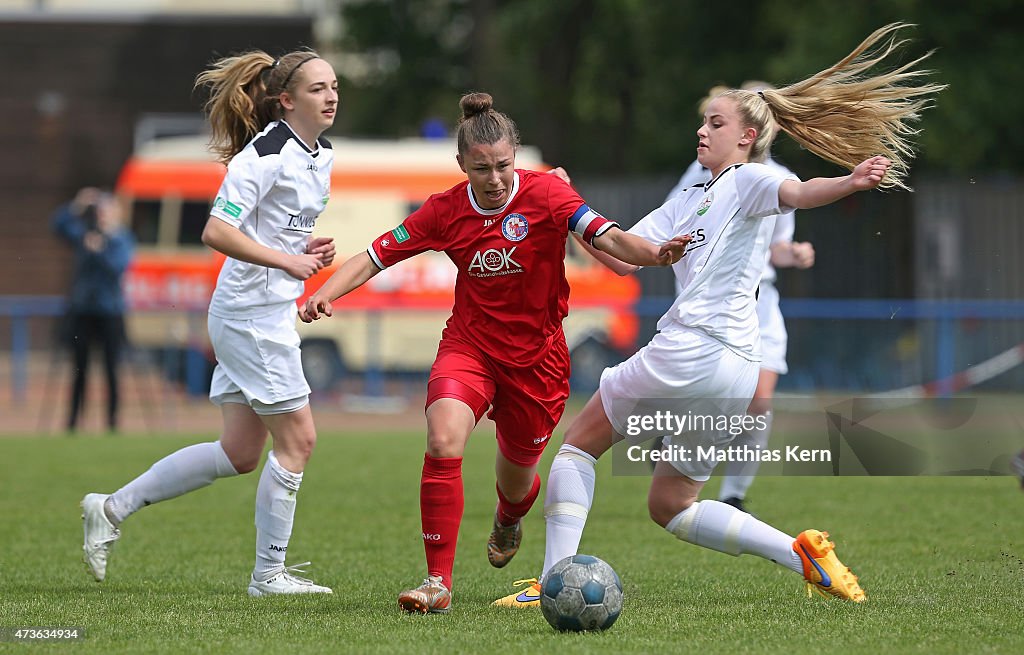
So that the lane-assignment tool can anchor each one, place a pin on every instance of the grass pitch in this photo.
(942, 561)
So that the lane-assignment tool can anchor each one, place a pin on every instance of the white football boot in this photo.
(286, 583)
(99, 535)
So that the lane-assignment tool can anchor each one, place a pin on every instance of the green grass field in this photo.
(942, 561)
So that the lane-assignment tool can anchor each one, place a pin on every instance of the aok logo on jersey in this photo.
(494, 261)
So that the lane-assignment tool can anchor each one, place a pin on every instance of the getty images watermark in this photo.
(670, 424)
(828, 436)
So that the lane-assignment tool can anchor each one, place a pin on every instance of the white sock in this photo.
(724, 528)
(738, 476)
(275, 513)
(180, 472)
(567, 501)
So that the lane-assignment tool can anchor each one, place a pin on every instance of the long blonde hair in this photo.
(841, 114)
(245, 95)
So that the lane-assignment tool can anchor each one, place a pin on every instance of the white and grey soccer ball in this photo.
(580, 593)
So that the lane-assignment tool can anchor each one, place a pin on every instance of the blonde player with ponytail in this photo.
(784, 252)
(706, 352)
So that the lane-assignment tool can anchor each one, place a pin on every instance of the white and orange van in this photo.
(394, 322)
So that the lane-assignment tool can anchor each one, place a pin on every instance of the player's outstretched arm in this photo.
(350, 276)
(636, 250)
(824, 190)
(617, 265)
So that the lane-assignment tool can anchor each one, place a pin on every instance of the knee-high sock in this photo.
(740, 475)
(275, 514)
(567, 502)
(724, 528)
(441, 505)
(509, 513)
(180, 472)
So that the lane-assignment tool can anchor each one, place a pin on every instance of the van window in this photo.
(145, 221)
(193, 220)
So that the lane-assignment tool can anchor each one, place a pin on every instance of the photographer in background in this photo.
(103, 247)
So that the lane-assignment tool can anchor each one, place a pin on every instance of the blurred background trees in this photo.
(611, 86)
(607, 88)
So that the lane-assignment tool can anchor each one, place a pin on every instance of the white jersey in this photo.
(785, 223)
(274, 190)
(730, 220)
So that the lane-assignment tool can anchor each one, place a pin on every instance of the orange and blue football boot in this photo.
(528, 597)
(823, 570)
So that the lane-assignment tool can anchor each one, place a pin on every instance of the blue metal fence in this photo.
(19, 310)
(944, 315)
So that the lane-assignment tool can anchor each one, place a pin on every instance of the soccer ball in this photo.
(580, 593)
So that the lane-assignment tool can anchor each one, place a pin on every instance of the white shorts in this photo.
(258, 362)
(773, 329)
(683, 372)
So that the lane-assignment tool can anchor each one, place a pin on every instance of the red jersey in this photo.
(510, 293)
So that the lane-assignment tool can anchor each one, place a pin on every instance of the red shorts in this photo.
(526, 403)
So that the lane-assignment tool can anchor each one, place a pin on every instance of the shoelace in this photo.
(114, 536)
(432, 582)
(297, 568)
(526, 582)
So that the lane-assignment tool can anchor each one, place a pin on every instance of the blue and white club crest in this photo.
(515, 227)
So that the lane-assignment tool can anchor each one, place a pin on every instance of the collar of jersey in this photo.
(299, 140)
(711, 183)
(496, 210)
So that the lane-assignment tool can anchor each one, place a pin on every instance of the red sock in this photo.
(509, 512)
(441, 505)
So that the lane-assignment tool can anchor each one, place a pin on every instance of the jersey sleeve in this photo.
(758, 189)
(248, 179)
(661, 224)
(418, 233)
(582, 220)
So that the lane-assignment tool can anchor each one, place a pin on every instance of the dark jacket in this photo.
(96, 284)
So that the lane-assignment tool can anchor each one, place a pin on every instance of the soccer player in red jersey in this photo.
(503, 347)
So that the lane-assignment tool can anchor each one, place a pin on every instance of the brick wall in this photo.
(73, 92)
